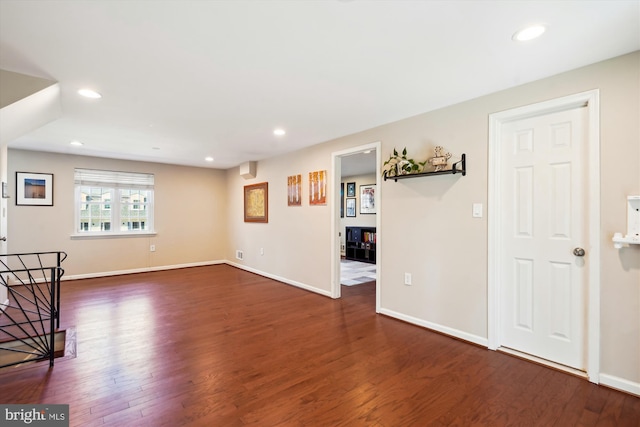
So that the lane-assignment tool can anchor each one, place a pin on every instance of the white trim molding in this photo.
(141, 270)
(620, 384)
(281, 279)
(455, 333)
(198, 264)
(590, 100)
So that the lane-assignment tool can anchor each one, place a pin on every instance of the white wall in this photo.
(190, 217)
(426, 223)
(296, 240)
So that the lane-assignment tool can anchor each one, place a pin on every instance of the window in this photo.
(110, 202)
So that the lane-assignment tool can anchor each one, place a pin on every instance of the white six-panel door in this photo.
(543, 292)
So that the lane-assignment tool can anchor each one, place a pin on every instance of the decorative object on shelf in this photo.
(633, 225)
(440, 160)
(294, 190)
(368, 199)
(351, 207)
(34, 189)
(318, 188)
(351, 189)
(454, 170)
(401, 165)
(256, 202)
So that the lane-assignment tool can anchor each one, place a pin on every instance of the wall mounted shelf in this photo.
(454, 170)
(633, 225)
(619, 240)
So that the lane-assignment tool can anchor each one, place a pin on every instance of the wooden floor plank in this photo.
(224, 347)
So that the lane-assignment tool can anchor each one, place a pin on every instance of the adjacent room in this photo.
(321, 213)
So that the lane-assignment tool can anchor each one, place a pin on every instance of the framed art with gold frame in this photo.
(256, 202)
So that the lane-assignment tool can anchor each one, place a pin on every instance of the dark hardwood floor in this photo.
(218, 346)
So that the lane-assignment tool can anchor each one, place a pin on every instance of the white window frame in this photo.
(114, 182)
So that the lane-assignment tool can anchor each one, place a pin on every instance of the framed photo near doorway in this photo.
(342, 200)
(367, 199)
(34, 189)
(351, 189)
(351, 207)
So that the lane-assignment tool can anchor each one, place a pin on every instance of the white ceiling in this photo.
(182, 80)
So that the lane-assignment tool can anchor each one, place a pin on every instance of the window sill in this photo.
(81, 236)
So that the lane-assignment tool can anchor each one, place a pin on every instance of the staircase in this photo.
(30, 316)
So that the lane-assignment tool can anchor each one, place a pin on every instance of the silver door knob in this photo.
(578, 252)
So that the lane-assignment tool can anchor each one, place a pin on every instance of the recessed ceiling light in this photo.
(76, 143)
(88, 93)
(209, 159)
(529, 33)
(279, 132)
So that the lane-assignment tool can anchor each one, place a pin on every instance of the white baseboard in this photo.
(282, 279)
(199, 264)
(484, 342)
(141, 270)
(620, 384)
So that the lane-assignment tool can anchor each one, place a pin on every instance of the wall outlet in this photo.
(407, 279)
(261, 251)
(152, 248)
(239, 254)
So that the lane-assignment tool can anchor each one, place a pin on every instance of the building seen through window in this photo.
(104, 198)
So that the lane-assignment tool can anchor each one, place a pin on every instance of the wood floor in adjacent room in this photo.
(218, 346)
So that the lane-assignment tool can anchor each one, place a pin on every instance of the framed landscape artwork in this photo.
(318, 188)
(294, 190)
(34, 189)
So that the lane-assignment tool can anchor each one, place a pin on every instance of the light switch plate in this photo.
(477, 210)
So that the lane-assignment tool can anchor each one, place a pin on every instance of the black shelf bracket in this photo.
(454, 170)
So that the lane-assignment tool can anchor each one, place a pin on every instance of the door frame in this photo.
(591, 101)
(336, 178)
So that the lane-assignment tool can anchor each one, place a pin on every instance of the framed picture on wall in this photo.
(342, 200)
(256, 202)
(34, 189)
(368, 199)
(351, 189)
(317, 188)
(294, 190)
(351, 207)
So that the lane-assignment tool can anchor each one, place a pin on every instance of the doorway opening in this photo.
(356, 170)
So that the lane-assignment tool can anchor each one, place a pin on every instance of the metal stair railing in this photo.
(31, 315)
